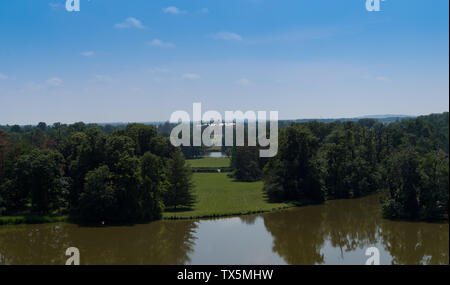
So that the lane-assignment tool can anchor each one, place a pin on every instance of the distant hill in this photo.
(387, 119)
(384, 116)
(381, 118)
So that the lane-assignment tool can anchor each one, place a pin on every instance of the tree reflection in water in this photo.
(299, 235)
(248, 219)
(155, 243)
(336, 232)
(416, 243)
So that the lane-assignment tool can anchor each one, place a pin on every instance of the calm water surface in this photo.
(337, 232)
(215, 154)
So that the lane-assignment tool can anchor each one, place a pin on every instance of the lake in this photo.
(337, 232)
(215, 154)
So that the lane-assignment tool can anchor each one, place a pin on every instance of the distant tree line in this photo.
(90, 172)
(407, 160)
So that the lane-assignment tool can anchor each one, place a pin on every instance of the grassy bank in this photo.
(209, 162)
(219, 196)
(16, 220)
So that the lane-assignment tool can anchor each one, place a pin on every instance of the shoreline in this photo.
(227, 215)
(39, 220)
(32, 220)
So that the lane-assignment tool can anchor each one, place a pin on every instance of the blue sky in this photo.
(142, 60)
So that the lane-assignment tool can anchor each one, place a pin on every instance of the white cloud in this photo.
(173, 10)
(227, 36)
(54, 82)
(190, 76)
(88, 53)
(243, 82)
(3, 77)
(160, 43)
(130, 22)
(204, 11)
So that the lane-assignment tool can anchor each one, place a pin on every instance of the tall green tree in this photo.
(294, 174)
(142, 136)
(403, 180)
(38, 179)
(180, 191)
(154, 186)
(83, 152)
(98, 201)
(246, 164)
(433, 193)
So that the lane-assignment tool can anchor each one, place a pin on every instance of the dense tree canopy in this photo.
(180, 183)
(408, 158)
(125, 174)
(246, 164)
(294, 174)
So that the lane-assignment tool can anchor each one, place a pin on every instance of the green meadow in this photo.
(218, 195)
(209, 162)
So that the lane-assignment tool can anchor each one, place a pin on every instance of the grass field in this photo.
(210, 162)
(218, 195)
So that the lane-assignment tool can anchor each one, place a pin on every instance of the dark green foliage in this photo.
(434, 176)
(84, 151)
(161, 147)
(142, 136)
(191, 152)
(418, 187)
(16, 129)
(294, 174)
(154, 186)
(98, 201)
(120, 175)
(131, 193)
(36, 179)
(127, 182)
(2, 205)
(339, 177)
(246, 164)
(408, 159)
(180, 183)
(116, 147)
(404, 184)
(6, 150)
(349, 159)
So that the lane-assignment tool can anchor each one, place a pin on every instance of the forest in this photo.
(90, 173)
(406, 161)
(131, 173)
